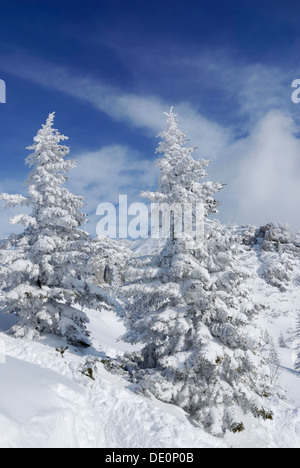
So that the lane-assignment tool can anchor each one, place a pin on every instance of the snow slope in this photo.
(279, 316)
(46, 401)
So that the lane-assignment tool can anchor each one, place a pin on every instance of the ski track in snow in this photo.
(45, 401)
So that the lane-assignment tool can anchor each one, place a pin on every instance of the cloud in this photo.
(210, 138)
(266, 187)
(261, 168)
(263, 171)
(101, 176)
(139, 111)
(216, 78)
(263, 88)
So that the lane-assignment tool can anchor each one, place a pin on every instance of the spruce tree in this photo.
(44, 269)
(189, 310)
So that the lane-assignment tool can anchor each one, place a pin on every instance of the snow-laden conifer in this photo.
(188, 308)
(44, 269)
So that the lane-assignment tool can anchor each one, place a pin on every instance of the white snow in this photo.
(280, 316)
(45, 401)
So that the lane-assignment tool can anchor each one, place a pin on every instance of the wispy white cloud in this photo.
(266, 186)
(140, 111)
(101, 176)
(245, 88)
(262, 169)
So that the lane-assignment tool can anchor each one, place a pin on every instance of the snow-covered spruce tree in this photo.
(190, 311)
(179, 183)
(43, 269)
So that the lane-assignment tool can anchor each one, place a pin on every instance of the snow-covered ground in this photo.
(279, 317)
(46, 401)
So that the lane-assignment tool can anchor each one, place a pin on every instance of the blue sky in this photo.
(111, 68)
